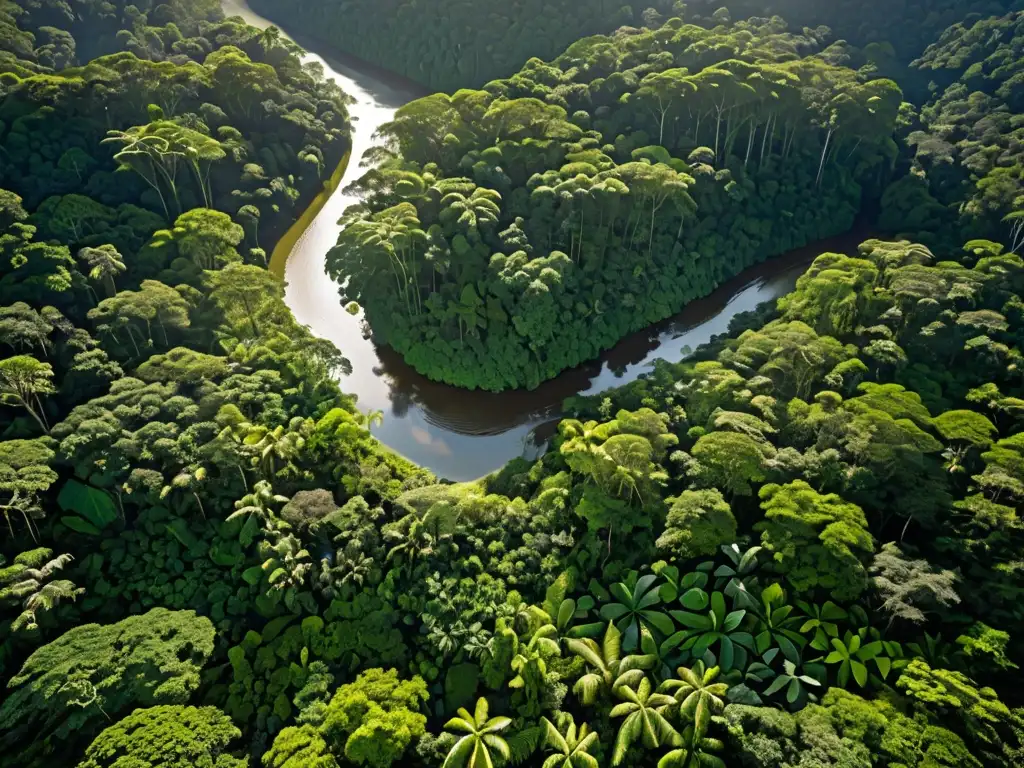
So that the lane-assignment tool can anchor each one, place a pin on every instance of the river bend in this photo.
(459, 434)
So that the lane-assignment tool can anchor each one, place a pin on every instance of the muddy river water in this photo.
(462, 434)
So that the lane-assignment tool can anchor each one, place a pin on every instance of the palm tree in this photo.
(543, 644)
(645, 719)
(39, 594)
(394, 233)
(698, 695)
(230, 443)
(481, 207)
(572, 750)
(286, 566)
(105, 263)
(269, 38)
(277, 445)
(256, 509)
(190, 480)
(370, 419)
(610, 671)
(415, 544)
(474, 749)
(530, 666)
(696, 752)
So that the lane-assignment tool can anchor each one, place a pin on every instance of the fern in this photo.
(523, 744)
(39, 596)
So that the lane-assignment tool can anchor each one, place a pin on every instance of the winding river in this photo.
(459, 434)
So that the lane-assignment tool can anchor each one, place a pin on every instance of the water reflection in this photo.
(463, 434)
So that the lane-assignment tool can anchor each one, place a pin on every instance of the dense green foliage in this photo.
(885, 29)
(800, 546)
(438, 52)
(168, 735)
(450, 44)
(511, 233)
(65, 689)
(966, 168)
(44, 34)
(108, 150)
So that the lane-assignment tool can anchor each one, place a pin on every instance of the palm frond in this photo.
(499, 745)
(523, 744)
(458, 756)
(587, 688)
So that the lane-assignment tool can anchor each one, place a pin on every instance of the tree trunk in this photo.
(583, 213)
(163, 329)
(200, 503)
(1015, 235)
(636, 226)
(132, 337)
(37, 416)
(718, 126)
(650, 241)
(764, 140)
(821, 165)
(202, 186)
(857, 144)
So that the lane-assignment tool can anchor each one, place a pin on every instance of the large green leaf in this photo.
(843, 678)
(565, 613)
(777, 685)
(870, 651)
(884, 666)
(460, 684)
(651, 598)
(832, 612)
(727, 654)
(94, 505)
(621, 593)
(732, 620)
(613, 611)
(693, 620)
(773, 594)
(75, 523)
(643, 584)
(718, 607)
(793, 692)
(695, 599)
(860, 672)
(659, 621)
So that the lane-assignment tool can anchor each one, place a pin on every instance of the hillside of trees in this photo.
(900, 29)
(798, 548)
(455, 44)
(511, 233)
(965, 153)
(451, 44)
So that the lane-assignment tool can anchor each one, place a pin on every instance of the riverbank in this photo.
(459, 434)
(279, 258)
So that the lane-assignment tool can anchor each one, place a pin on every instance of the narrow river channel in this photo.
(459, 434)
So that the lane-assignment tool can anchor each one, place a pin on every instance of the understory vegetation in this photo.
(800, 547)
